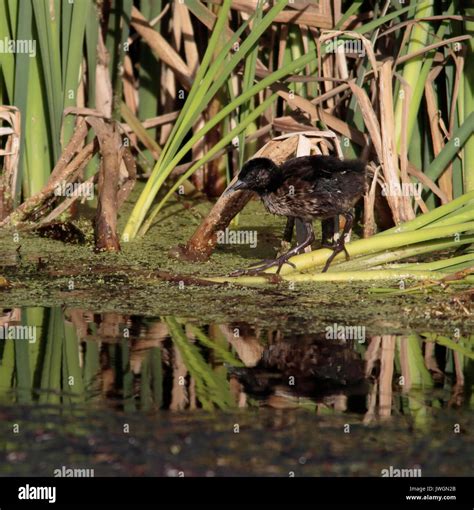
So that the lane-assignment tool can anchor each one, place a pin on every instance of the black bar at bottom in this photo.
(229, 492)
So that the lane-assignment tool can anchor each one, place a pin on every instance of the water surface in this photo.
(132, 395)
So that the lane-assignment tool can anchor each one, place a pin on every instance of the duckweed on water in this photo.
(52, 272)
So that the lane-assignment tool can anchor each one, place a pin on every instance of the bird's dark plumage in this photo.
(308, 187)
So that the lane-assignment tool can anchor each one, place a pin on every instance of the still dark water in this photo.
(111, 394)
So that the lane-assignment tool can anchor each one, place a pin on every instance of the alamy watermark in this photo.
(341, 332)
(229, 236)
(336, 45)
(392, 472)
(65, 472)
(23, 46)
(34, 492)
(406, 189)
(76, 189)
(8, 332)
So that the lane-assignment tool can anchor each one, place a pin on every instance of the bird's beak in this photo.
(238, 184)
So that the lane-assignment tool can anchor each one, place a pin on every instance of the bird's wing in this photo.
(306, 168)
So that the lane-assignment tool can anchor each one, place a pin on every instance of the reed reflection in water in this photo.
(72, 356)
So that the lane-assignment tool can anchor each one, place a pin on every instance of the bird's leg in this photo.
(329, 227)
(285, 244)
(265, 263)
(288, 232)
(301, 229)
(340, 244)
(282, 259)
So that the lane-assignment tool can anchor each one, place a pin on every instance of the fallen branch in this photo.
(105, 228)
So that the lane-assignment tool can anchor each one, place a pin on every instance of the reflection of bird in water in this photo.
(306, 366)
(307, 188)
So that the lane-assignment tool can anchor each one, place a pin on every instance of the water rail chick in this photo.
(308, 188)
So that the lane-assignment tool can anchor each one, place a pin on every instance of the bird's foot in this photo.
(336, 249)
(265, 264)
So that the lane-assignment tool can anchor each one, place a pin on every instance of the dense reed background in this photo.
(192, 89)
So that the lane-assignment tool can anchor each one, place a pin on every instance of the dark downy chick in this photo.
(308, 188)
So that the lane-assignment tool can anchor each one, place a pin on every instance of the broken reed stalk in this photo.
(11, 158)
(202, 243)
(73, 168)
(67, 163)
